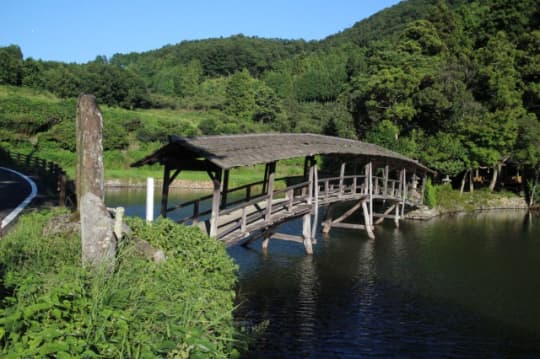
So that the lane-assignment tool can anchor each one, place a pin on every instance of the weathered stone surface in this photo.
(90, 173)
(62, 224)
(97, 227)
(145, 249)
(97, 235)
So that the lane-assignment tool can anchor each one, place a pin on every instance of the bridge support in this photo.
(307, 231)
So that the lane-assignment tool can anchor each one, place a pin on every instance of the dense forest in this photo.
(454, 84)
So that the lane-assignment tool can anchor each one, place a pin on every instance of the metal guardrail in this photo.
(50, 174)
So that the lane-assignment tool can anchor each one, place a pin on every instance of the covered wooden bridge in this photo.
(354, 172)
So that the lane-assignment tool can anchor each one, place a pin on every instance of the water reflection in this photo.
(462, 287)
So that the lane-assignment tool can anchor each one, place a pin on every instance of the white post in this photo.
(149, 199)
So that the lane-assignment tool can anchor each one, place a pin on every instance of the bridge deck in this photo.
(251, 215)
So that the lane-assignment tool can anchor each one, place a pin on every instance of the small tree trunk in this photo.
(471, 182)
(494, 178)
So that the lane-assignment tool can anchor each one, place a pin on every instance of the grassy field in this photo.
(37, 122)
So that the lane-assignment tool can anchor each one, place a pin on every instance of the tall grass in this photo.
(54, 307)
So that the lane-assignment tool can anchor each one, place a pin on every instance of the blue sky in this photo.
(79, 30)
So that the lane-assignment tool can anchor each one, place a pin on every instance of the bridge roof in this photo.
(230, 151)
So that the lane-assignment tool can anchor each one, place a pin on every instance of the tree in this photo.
(240, 95)
(267, 104)
(11, 65)
(421, 36)
(445, 153)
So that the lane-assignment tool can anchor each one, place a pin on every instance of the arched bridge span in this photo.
(355, 172)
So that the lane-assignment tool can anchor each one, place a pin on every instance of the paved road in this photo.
(14, 189)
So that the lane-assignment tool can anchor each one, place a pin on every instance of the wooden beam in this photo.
(288, 237)
(349, 212)
(381, 217)
(349, 226)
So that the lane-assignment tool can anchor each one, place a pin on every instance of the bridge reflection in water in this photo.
(360, 174)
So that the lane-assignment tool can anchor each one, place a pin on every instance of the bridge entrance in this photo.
(356, 172)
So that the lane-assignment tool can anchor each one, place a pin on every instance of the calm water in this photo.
(464, 287)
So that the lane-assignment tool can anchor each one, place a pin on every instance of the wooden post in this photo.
(315, 199)
(265, 179)
(396, 215)
(404, 194)
(306, 221)
(149, 199)
(225, 189)
(270, 186)
(327, 223)
(423, 190)
(370, 184)
(385, 179)
(165, 190)
(341, 178)
(266, 240)
(369, 229)
(214, 217)
(366, 179)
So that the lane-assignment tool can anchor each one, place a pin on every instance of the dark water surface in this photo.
(463, 287)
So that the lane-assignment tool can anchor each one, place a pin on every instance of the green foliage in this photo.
(56, 308)
(240, 95)
(11, 65)
(445, 154)
(430, 194)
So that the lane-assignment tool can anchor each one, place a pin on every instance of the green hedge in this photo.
(53, 307)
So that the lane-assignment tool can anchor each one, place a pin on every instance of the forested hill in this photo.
(452, 83)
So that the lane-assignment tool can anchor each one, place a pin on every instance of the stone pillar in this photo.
(89, 126)
(97, 236)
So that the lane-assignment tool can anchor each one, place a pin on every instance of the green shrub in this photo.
(55, 308)
(430, 194)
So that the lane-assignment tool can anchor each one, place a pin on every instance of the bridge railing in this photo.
(261, 208)
(248, 204)
(200, 208)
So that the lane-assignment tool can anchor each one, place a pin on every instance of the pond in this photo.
(465, 286)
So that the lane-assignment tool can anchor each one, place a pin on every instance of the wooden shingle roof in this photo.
(230, 151)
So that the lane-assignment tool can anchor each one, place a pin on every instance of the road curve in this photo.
(16, 192)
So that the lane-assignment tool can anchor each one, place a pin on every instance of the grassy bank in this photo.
(53, 307)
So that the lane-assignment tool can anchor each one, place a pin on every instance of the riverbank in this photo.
(158, 183)
(501, 203)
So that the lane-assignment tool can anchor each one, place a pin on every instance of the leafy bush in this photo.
(430, 194)
(56, 308)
